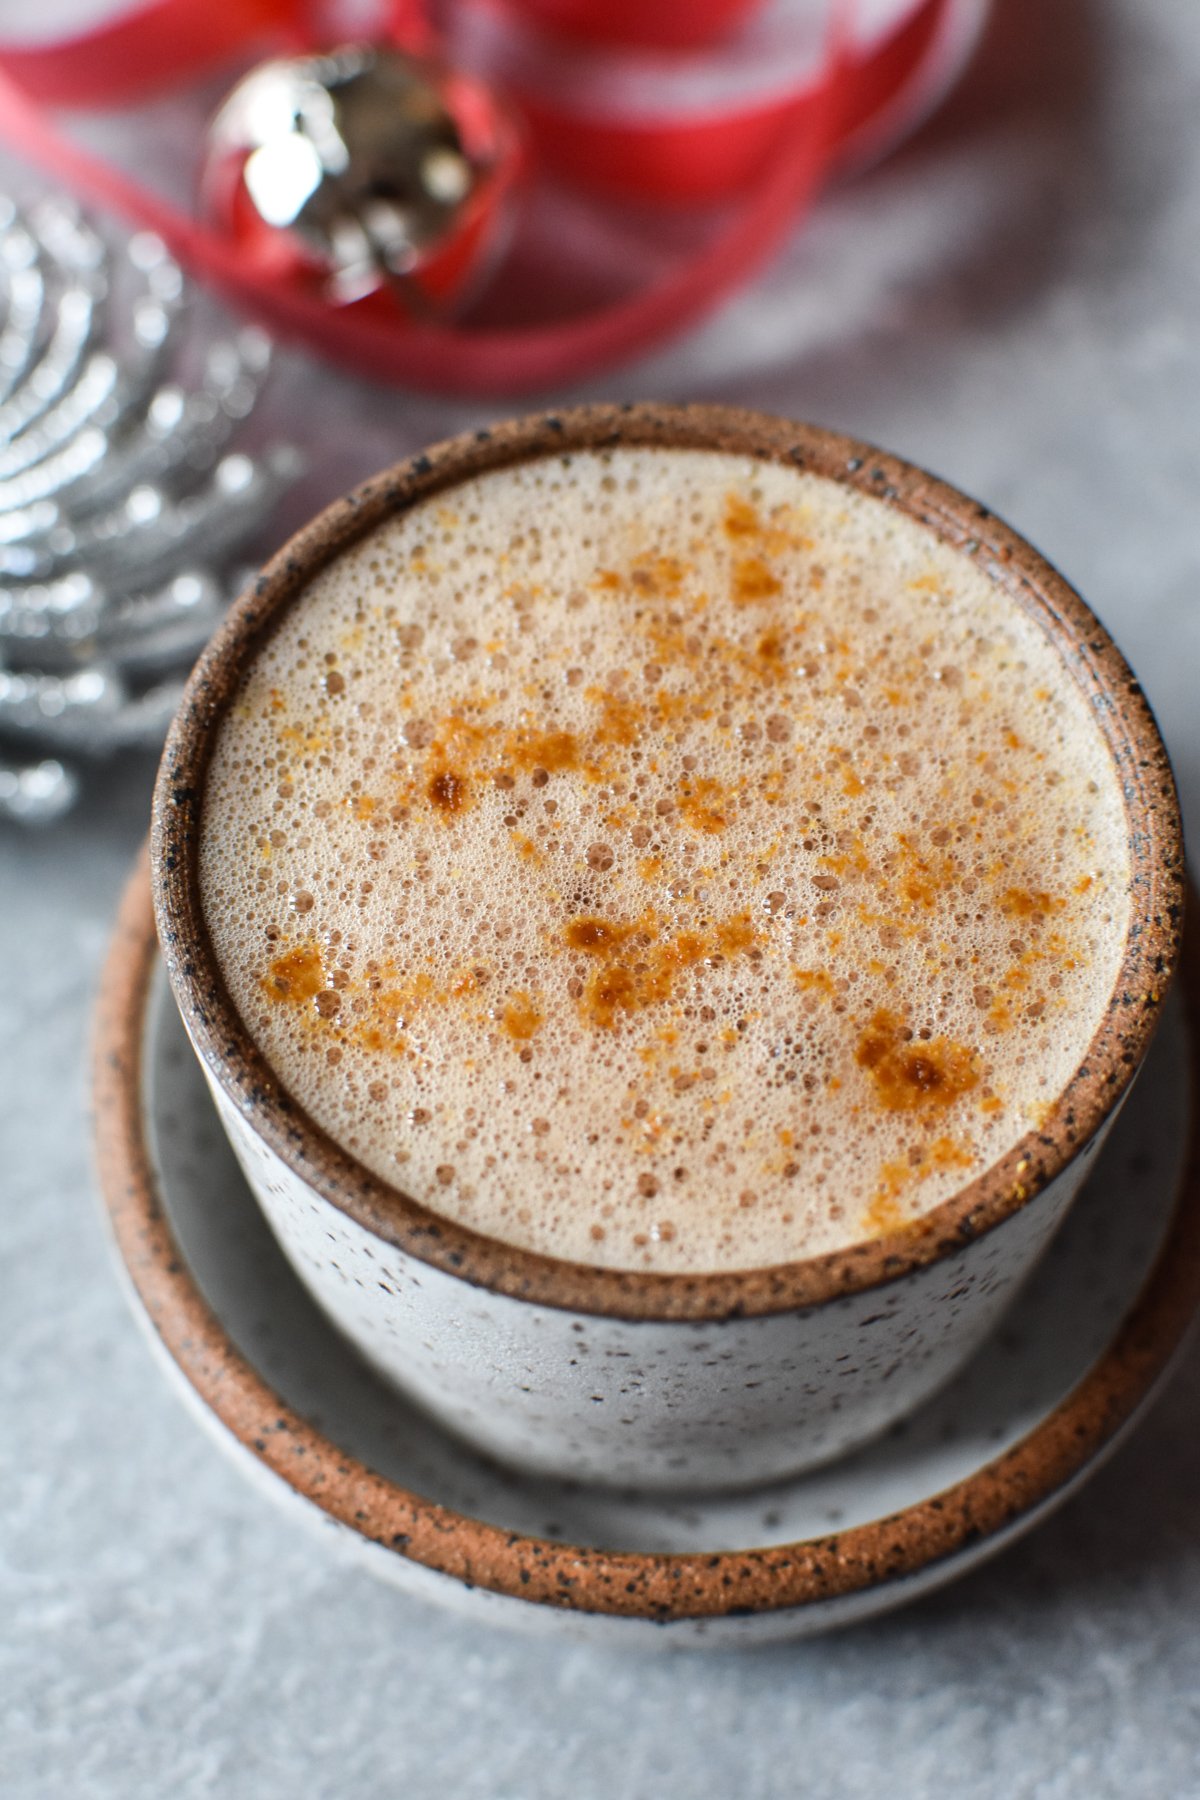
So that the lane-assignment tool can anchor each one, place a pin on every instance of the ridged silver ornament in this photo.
(123, 503)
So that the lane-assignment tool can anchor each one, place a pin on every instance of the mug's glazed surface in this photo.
(688, 1404)
(667, 1379)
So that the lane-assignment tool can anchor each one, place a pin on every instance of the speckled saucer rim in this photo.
(656, 1587)
(1112, 1058)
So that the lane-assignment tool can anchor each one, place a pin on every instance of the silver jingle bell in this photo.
(363, 157)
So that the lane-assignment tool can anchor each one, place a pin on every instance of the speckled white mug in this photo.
(666, 1380)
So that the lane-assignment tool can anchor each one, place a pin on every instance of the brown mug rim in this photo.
(1088, 654)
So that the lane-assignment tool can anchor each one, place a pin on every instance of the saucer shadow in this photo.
(1135, 1524)
(1132, 1531)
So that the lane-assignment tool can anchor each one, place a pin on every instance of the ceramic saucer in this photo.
(1075, 1361)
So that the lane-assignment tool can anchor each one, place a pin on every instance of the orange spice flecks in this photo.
(459, 740)
(1017, 990)
(848, 863)
(669, 707)
(913, 1076)
(744, 524)
(814, 981)
(526, 849)
(1000, 1014)
(375, 1037)
(297, 976)
(527, 748)
(885, 1213)
(767, 659)
(308, 738)
(454, 754)
(620, 719)
(1024, 903)
(753, 581)
(374, 1008)
(597, 937)
(658, 574)
(917, 885)
(773, 788)
(735, 935)
(672, 641)
(615, 988)
(448, 792)
(684, 950)
(763, 660)
(945, 1153)
(921, 880)
(741, 519)
(379, 1014)
(405, 994)
(462, 750)
(520, 1017)
(638, 967)
(704, 803)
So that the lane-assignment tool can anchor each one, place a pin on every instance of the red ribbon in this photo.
(142, 51)
(662, 25)
(716, 158)
(372, 337)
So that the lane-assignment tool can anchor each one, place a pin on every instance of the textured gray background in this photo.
(1013, 301)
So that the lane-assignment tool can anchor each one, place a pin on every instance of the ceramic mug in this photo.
(666, 1380)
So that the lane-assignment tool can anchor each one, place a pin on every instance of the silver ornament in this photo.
(361, 156)
(122, 505)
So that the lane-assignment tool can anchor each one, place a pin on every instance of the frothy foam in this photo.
(662, 859)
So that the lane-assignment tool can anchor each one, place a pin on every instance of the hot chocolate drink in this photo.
(665, 860)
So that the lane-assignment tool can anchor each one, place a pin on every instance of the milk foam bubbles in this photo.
(665, 860)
